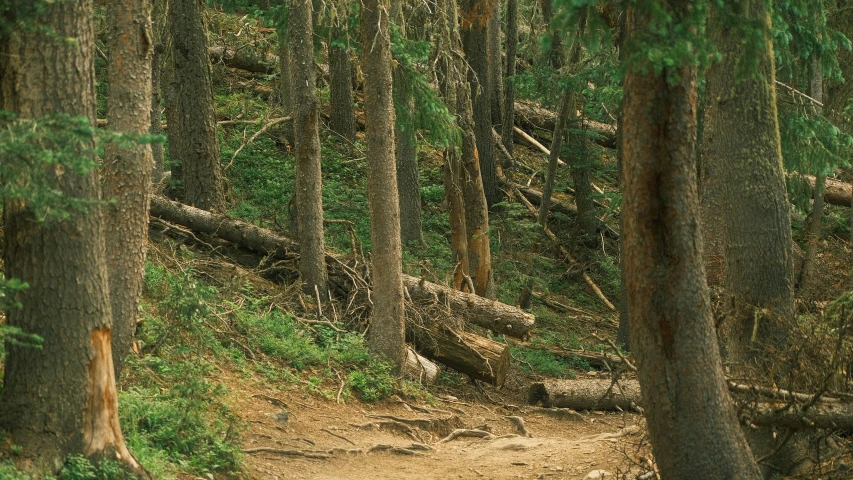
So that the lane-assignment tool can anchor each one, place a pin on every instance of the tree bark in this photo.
(406, 154)
(190, 110)
(476, 356)
(587, 394)
(387, 335)
(127, 171)
(813, 229)
(59, 400)
(419, 368)
(308, 186)
(496, 83)
(342, 115)
(744, 180)
(160, 30)
(242, 59)
(495, 316)
(554, 52)
(672, 333)
(529, 116)
(509, 85)
(557, 140)
(285, 85)
(475, 20)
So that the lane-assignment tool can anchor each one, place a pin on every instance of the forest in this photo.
(427, 239)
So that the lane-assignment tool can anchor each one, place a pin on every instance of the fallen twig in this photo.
(287, 453)
(338, 436)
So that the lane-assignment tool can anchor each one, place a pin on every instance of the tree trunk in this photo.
(406, 154)
(160, 29)
(743, 178)
(554, 51)
(489, 314)
(453, 170)
(475, 21)
(809, 269)
(496, 79)
(587, 394)
(476, 356)
(191, 117)
(285, 85)
(672, 333)
(340, 86)
(127, 171)
(509, 85)
(61, 399)
(387, 332)
(419, 368)
(566, 105)
(242, 59)
(308, 186)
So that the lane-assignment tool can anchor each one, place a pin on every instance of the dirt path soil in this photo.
(570, 447)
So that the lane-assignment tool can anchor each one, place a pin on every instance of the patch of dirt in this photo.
(344, 443)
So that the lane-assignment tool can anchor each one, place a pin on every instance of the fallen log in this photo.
(476, 356)
(242, 59)
(529, 115)
(419, 368)
(489, 314)
(593, 394)
(836, 192)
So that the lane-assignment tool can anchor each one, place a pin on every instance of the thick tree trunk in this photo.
(386, 336)
(475, 20)
(496, 79)
(406, 154)
(190, 110)
(476, 356)
(743, 178)
(127, 171)
(489, 314)
(672, 333)
(308, 185)
(242, 59)
(342, 115)
(61, 399)
(420, 368)
(509, 85)
(591, 394)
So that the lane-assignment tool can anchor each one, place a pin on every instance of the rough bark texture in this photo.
(308, 186)
(475, 20)
(809, 268)
(59, 400)
(190, 111)
(496, 79)
(342, 114)
(672, 333)
(489, 314)
(743, 179)
(406, 148)
(127, 171)
(509, 86)
(386, 336)
(476, 356)
(592, 394)
(557, 140)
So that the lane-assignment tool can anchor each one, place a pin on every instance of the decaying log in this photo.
(529, 115)
(489, 314)
(473, 355)
(836, 192)
(420, 368)
(242, 59)
(593, 394)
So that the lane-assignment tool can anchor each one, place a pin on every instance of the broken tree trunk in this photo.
(473, 355)
(529, 115)
(242, 59)
(593, 394)
(419, 368)
(489, 314)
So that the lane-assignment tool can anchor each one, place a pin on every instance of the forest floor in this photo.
(570, 447)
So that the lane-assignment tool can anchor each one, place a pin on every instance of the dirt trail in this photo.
(560, 448)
